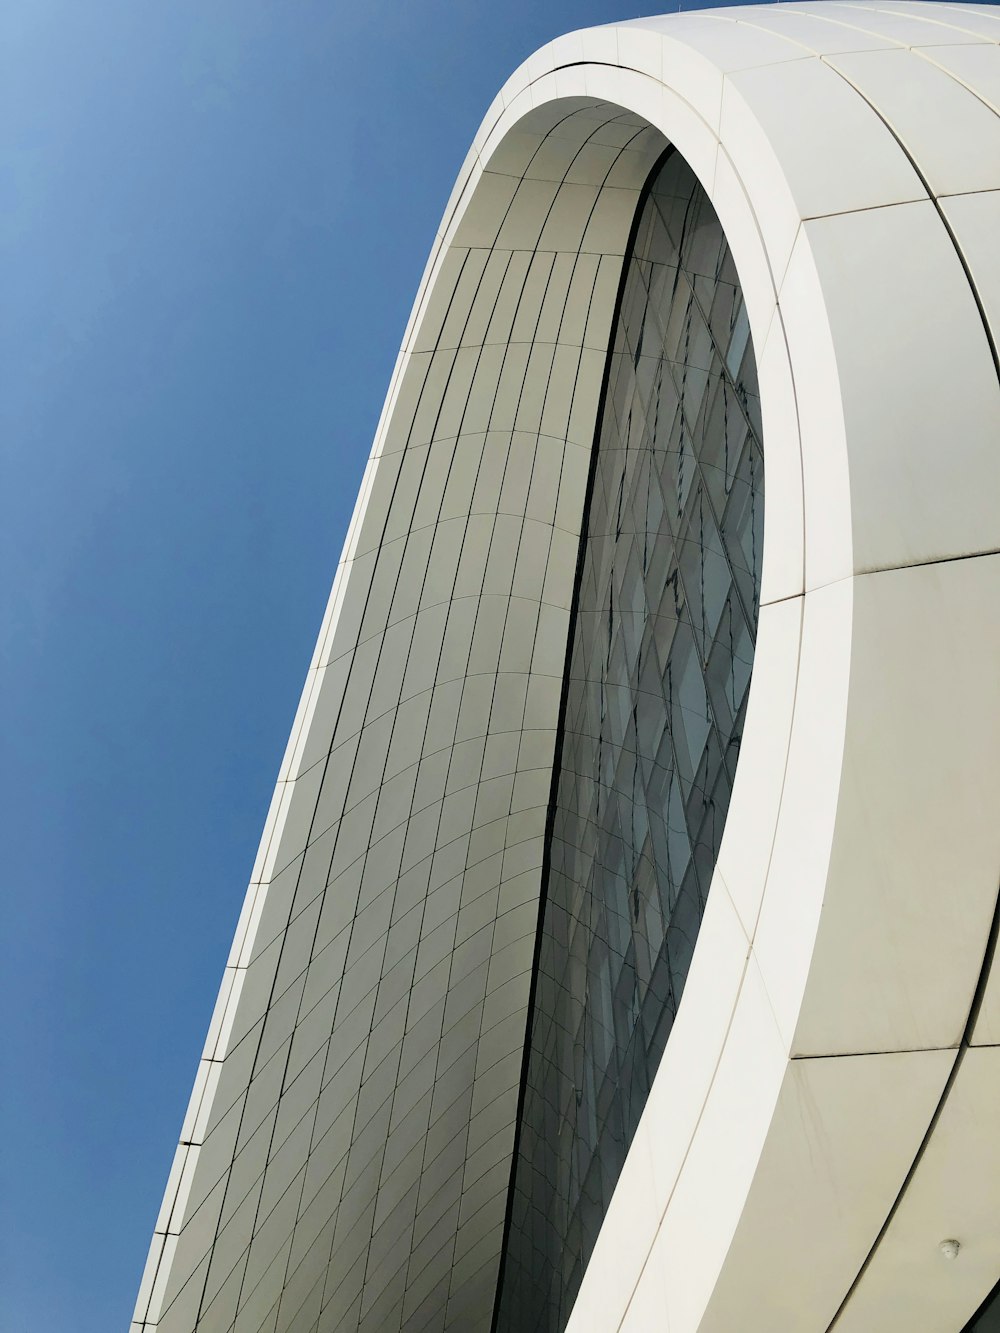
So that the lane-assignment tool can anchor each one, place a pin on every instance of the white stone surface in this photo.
(916, 846)
(842, 1137)
(953, 139)
(748, 842)
(909, 1283)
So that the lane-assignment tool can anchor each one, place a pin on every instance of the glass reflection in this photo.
(662, 648)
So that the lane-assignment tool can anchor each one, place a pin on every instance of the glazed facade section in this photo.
(657, 687)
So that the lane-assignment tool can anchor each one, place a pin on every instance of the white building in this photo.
(450, 1082)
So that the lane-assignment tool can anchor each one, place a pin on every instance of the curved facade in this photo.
(657, 678)
(823, 1112)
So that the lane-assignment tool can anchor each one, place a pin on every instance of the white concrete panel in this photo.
(986, 1031)
(842, 1138)
(552, 159)
(468, 297)
(975, 66)
(909, 1284)
(609, 221)
(773, 217)
(647, 1309)
(902, 378)
(800, 857)
(973, 19)
(916, 811)
(737, 214)
(513, 155)
(708, 1199)
(636, 51)
(974, 220)
(812, 32)
(483, 218)
(815, 152)
(695, 79)
(783, 572)
(912, 26)
(696, 1042)
(725, 44)
(819, 412)
(745, 854)
(606, 1304)
(630, 169)
(687, 123)
(953, 138)
(454, 264)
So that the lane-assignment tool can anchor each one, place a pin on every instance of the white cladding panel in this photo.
(346, 1156)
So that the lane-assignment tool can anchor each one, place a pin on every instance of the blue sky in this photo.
(214, 220)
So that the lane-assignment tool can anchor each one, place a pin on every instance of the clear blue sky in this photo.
(214, 219)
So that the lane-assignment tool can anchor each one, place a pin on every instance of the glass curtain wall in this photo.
(662, 649)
